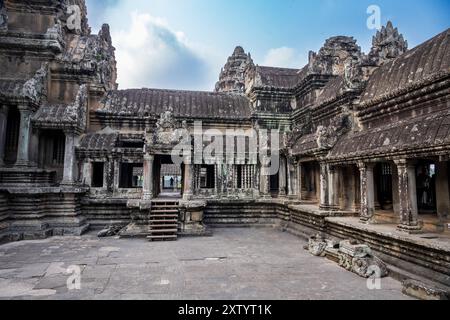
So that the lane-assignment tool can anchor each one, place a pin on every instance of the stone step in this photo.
(175, 206)
(164, 211)
(171, 221)
(153, 231)
(157, 216)
(162, 238)
(172, 225)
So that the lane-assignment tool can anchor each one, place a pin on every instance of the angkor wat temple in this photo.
(364, 148)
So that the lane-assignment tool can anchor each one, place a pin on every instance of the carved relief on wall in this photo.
(328, 136)
(169, 131)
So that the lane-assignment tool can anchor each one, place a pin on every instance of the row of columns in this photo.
(405, 194)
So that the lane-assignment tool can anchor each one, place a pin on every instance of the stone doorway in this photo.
(426, 187)
(168, 178)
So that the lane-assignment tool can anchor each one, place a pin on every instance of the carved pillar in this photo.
(69, 176)
(367, 191)
(3, 127)
(282, 177)
(300, 181)
(407, 194)
(216, 180)
(188, 178)
(442, 191)
(23, 157)
(264, 180)
(395, 193)
(355, 190)
(289, 177)
(324, 187)
(333, 188)
(147, 189)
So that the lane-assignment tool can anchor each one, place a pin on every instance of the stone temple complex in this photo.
(364, 144)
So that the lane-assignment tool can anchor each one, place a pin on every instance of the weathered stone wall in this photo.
(17, 67)
(104, 213)
(31, 22)
(44, 214)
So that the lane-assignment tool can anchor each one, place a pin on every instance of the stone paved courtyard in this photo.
(233, 264)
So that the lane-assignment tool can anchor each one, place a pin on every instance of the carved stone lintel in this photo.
(169, 132)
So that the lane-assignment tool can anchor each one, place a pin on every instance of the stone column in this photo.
(23, 157)
(407, 194)
(367, 191)
(264, 180)
(3, 127)
(299, 181)
(216, 180)
(333, 188)
(70, 159)
(188, 179)
(147, 190)
(395, 193)
(282, 177)
(87, 172)
(349, 186)
(324, 187)
(442, 191)
(292, 178)
(115, 172)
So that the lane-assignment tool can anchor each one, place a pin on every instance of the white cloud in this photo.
(283, 57)
(150, 54)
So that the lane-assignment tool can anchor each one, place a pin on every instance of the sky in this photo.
(183, 44)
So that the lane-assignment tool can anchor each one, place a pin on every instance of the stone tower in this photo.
(387, 44)
(332, 58)
(232, 76)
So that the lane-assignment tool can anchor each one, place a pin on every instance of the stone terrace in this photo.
(233, 264)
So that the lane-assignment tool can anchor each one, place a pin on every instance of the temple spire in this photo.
(232, 76)
(387, 44)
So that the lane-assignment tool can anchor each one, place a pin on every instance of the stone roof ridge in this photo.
(181, 91)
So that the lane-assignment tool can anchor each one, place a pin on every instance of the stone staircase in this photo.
(163, 220)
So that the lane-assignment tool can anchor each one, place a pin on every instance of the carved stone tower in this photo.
(387, 44)
(232, 76)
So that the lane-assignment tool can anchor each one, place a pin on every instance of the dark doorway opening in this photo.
(131, 175)
(52, 144)
(383, 172)
(98, 171)
(12, 136)
(426, 187)
(275, 184)
(168, 177)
